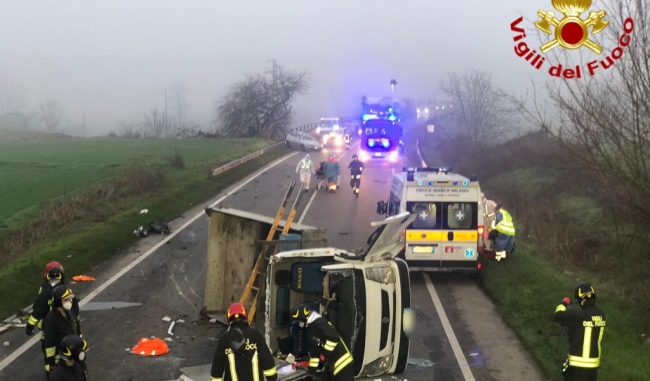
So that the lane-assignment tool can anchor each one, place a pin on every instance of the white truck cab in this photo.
(366, 297)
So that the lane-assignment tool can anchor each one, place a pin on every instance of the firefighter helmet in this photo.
(236, 311)
(55, 274)
(301, 313)
(50, 265)
(584, 291)
(59, 294)
(73, 348)
(355, 156)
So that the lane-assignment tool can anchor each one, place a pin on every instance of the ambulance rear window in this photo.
(428, 215)
(460, 215)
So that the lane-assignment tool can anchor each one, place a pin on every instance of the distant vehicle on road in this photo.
(303, 141)
(330, 131)
(380, 139)
(366, 297)
(451, 227)
(329, 124)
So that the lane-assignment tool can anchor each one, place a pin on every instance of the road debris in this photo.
(83, 278)
(144, 211)
(166, 318)
(150, 347)
(422, 363)
(6, 344)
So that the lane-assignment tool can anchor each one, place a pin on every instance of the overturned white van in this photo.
(366, 297)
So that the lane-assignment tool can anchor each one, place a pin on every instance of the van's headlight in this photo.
(381, 274)
(377, 367)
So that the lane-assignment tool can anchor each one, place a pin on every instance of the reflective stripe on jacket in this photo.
(504, 223)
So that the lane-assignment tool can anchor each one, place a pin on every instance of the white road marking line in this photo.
(422, 162)
(23, 348)
(304, 212)
(453, 341)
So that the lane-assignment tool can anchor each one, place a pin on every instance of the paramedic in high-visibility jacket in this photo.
(586, 325)
(502, 233)
(242, 353)
(326, 342)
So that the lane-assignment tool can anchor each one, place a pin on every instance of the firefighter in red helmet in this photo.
(242, 353)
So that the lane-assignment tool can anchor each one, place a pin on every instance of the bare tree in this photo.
(481, 111)
(180, 105)
(259, 105)
(604, 121)
(50, 113)
(155, 124)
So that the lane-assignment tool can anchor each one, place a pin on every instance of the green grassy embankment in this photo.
(564, 236)
(105, 228)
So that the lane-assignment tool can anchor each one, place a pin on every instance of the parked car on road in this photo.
(303, 141)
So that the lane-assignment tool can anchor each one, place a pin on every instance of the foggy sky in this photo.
(110, 60)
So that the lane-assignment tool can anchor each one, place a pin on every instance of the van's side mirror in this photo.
(382, 207)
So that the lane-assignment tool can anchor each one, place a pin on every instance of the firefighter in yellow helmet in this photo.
(586, 325)
(327, 342)
(242, 353)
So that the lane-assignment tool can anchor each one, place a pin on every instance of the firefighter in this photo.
(305, 169)
(72, 366)
(53, 275)
(62, 321)
(326, 342)
(242, 353)
(356, 168)
(502, 233)
(586, 326)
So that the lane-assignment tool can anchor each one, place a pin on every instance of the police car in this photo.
(449, 232)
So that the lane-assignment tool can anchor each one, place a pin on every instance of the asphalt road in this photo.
(170, 282)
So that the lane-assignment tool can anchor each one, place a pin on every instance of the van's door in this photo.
(424, 236)
(460, 223)
(388, 240)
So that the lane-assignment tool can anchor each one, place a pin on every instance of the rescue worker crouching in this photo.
(356, 169)
(62, 321)
(502, 233)
(72, 366)
(327, 342)
(586, 326)
(242, 353)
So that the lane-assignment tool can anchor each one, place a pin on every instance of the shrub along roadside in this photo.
(93, 238)
(526, 289)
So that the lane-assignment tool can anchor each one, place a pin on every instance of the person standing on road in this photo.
(53, 274)
(242, 353)
(62, 321)
(586, 326)
(326, 342)
(502, 233)
(356, 168)
(332, 171)
(305, 169)
(72, 366)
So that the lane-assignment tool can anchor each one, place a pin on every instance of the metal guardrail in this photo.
(242, 160)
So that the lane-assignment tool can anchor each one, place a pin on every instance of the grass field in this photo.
(37, 171)
(107, 227)
(561, 240)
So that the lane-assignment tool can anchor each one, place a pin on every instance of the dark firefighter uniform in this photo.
(326, 342)
(356, 168)
(242, 353)
(43, 303)
(586, 325)
(62, 321)
(73, 354)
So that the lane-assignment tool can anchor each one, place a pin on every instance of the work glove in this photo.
(566, 301)
(29, 329)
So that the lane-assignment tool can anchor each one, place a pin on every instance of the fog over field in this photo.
(112, 60)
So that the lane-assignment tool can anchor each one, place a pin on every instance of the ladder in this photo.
(252, 289)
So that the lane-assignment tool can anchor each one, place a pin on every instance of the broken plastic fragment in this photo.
(144, 211)
(83, 278)
(150, 347)
(166, 318)
(423, 363)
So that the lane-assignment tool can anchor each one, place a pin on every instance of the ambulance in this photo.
(449, 232)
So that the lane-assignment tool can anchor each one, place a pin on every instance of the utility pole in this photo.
(165, 126)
